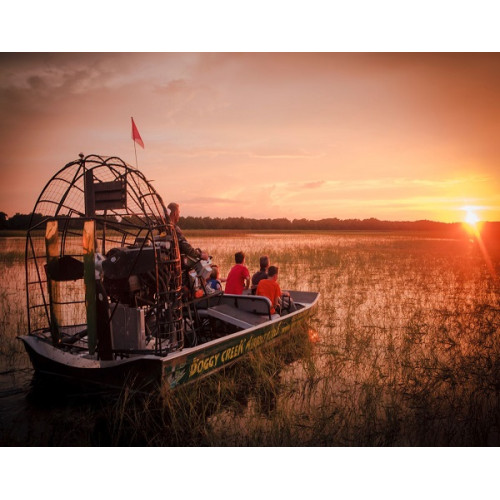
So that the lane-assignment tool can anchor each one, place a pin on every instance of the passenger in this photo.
(270, 288)
(184, 247)
(262, 274)
(215, 281)
(238, 278)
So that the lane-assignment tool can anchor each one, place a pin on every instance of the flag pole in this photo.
(135, 151)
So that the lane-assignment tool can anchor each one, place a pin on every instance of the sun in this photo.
(471, 217)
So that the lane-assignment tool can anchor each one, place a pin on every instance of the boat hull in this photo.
(196, 363)
(177, 368)
(141, 371)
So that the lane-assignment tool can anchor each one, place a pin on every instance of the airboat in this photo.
(110, 298)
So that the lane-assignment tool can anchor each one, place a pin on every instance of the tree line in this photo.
(21, 222)
(18, 221)
(306, 224)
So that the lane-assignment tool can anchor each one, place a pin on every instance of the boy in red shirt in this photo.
(270, 288)
(238, 278)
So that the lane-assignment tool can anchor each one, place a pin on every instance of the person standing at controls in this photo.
(238, 278)
(184, 247)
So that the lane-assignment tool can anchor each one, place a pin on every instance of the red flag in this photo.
(136, 136)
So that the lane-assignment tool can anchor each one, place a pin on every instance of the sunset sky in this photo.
(393, 136)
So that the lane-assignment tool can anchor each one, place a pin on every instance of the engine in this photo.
(129, 275)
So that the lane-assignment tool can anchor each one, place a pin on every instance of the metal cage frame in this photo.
(126, 211)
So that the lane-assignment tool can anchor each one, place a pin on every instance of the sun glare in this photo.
(474, 227)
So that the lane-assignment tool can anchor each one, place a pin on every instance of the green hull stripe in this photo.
(198, 365)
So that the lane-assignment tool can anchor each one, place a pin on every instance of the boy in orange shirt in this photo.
(270, 288)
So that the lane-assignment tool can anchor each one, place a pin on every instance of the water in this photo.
(408, 354)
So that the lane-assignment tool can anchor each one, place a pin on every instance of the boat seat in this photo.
(255, 304)
(235, 316)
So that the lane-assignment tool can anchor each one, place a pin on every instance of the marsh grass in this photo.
(409, 351)
(12, 324)
(203, 413)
